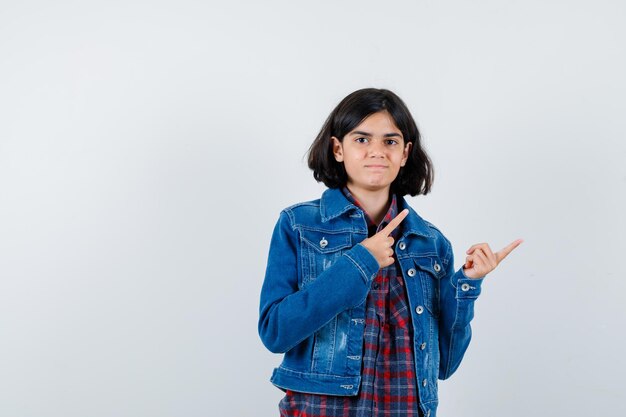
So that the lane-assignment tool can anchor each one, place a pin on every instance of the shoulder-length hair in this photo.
(414, 178)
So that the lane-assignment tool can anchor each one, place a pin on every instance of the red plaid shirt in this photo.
(388, 384)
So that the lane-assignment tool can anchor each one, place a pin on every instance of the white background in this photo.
(146, 149)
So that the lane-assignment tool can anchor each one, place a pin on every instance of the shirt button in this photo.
(423, 346)
(402, 245)
(437, 267)
(419, 309)
(424, 383)
(465, 287)
(411, 272)
(376, 286)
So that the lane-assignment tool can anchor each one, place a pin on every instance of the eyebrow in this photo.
(387, 135)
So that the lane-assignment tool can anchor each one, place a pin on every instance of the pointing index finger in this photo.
(395, 222)
(502, 253)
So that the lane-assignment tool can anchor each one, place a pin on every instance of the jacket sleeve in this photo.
(457, 296)
(289, 314)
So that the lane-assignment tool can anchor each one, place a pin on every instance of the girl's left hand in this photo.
(481, 260)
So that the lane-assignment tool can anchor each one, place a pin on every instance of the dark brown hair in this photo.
(415, 177)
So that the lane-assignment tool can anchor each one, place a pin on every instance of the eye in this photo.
(361, 140)
(391, 142)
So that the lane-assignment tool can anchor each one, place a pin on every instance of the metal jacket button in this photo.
(437, 267)
(423, 346)
(419, 309)
(323, 242)
(424, 382)
(411, 272)
(402, 245)
(465, 286)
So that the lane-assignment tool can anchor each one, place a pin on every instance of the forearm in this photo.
(458, 294)
(289, 315)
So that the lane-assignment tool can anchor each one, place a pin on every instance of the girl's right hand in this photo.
(379, 245)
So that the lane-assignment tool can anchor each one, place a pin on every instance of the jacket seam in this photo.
(363, 273)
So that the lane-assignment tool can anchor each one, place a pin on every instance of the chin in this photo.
(377, 187)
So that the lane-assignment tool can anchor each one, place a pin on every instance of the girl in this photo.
(360, 292)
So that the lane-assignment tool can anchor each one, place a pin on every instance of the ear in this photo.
(406, 153)
(337, 149)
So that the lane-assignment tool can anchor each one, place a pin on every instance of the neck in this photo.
(375, 203)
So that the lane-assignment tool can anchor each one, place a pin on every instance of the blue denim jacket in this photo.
(316, 283)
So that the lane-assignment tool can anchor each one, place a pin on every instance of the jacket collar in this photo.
(333, 204)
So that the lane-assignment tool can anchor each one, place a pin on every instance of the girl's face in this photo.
(372, 153)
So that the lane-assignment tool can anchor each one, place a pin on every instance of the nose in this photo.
(376, 149)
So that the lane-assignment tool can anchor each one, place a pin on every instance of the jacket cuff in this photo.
(365, 262)
(468, 288)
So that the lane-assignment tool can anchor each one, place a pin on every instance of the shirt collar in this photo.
(334, 203)
(392, 211)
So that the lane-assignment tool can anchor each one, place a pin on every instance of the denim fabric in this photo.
(313, 298)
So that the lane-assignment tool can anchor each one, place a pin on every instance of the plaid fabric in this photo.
(388, 385)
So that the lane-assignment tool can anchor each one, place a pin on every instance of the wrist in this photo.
(469, 273)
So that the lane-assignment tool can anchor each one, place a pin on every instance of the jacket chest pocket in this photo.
(430, 272)
(320, 250)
